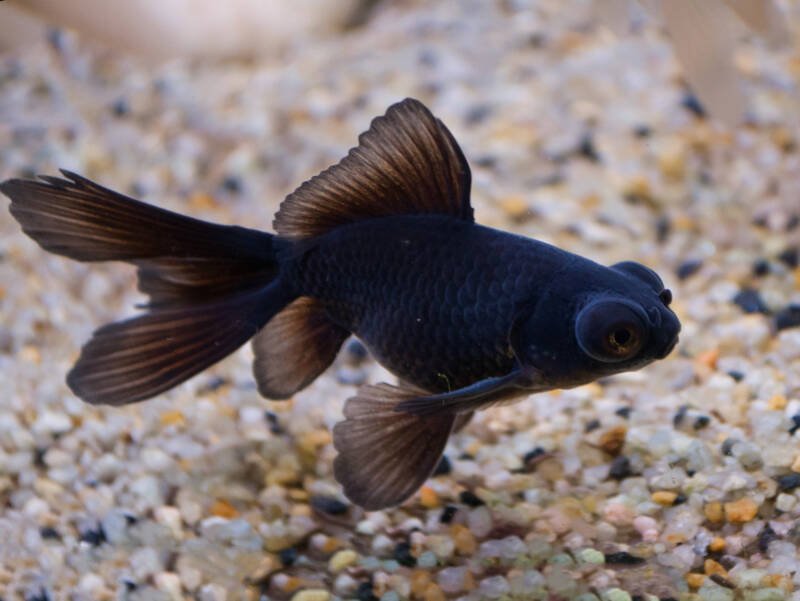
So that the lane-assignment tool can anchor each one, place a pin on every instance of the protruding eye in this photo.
(610, 331)
(666, 296)
(640, 272)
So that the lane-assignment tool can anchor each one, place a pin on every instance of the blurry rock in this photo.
(186, 28)
(704, 36)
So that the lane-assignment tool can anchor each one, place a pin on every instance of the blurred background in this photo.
(665, 132)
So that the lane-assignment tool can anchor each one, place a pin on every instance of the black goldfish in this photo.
(382, 245)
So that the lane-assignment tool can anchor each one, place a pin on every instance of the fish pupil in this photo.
(621, 337)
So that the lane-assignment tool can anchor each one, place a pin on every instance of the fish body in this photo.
(382, 245)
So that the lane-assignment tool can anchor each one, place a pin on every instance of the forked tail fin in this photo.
(211, 287)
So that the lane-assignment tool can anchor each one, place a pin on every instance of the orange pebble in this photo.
(717, 545)
(695, 580)
(463, 539)
(433, 593)
(708, 358)
(428, 497)
(711, 567)
(222, 509)
(172, 418)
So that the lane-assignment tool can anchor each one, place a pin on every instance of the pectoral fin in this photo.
(386, 455)
(476, 396)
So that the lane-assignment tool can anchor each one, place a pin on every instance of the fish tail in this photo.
(384, 454)
(211, 287)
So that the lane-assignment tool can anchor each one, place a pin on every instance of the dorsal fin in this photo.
(406, 163)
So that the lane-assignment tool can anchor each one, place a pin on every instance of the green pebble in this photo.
(616, 594)
(427, 559)
(591, 556)
(749, 578)
(587, 597)
(710, 591)
(766, 594)
(562, 559)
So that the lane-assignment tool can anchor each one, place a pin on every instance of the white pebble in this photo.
(170, 583)
(212, 592)
(156, 460)
(50, 422)
(91, 584)
(34, 507)
(479, 521)
(145, 562)
(171, 518)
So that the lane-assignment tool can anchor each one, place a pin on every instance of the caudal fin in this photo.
(211, 287)
(385, 455)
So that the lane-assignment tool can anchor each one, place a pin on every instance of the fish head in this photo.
(601, 321)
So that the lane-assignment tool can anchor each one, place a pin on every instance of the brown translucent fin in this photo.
(296, 346)
(136, 359)
(462, 419)
(180, 259)
(386, 455)
(406, 163)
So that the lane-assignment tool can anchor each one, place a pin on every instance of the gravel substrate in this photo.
(681, 481)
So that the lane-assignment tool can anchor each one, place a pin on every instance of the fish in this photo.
(383, 246)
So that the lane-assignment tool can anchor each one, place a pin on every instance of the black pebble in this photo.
(788, 317)
(274, 425)
(365, 593)
(625, 558)
(38, 457)
(592, 425)
(727, 446)
(120, 108)
(692, 104)
(49, 532)
(478, 114)
(94, 536)
(642, 131)
(624, 412)
(795, 424)
(761, 267)
(448, 513)
(130, 519)
(620, 468)
(329, 505)
(402, 555)
(790, 257)
(129, 585)
(679, 416)
(533, 454)
(232, 184)
(663, 229)
(793, 222)
(587, 149)
(788, 482)
(688, 268)
(288, 556)
(444, 467)
(750, 301)
(737, 376)
(765, 537)
(701, 421)
(42, 595)
(680, 499)
(470, 499)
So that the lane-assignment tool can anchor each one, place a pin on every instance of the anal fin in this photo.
(296, 346)
(385, 455)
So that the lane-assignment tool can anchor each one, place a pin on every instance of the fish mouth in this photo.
(669, 348)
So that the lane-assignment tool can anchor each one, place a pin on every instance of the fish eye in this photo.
(641, 273)
(666, 296)
(610, 331)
